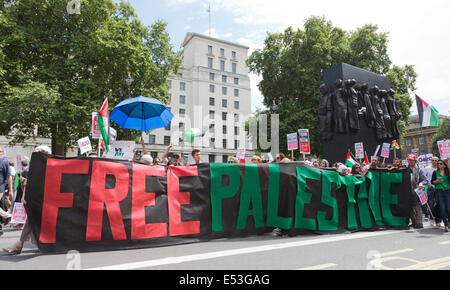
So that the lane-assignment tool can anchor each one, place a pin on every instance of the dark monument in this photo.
(356, 106)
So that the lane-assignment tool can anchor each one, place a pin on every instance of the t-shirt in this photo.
(4, 173)
(445, 184)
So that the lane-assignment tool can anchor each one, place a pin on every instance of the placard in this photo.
(122, 150)
(292, 141)
(359, 150)
(96, 134)
(305, 147)
(19, 215)
(240, 154)
(85, 145)
(444, 149)
(385, 150)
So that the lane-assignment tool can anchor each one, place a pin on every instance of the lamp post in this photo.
(129, 81)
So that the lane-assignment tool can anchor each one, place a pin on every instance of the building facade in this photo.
(211, 92)
(417, 140)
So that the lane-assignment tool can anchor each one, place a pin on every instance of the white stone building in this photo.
(211, 92)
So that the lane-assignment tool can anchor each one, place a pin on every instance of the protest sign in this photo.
(96, 134)
(444, 149)
(292, 141)
(240, 154)
(385, 150)
(305, 147)
(19, 215)
(122, 150)
(85, 145)
(422, 195)
(359, 150)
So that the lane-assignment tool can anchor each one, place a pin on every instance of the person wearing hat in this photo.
(416, 183)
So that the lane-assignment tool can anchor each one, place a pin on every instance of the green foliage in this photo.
(84, 58)
(442, 134)
(291, 65)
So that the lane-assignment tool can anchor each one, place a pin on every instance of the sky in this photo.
(419, 31)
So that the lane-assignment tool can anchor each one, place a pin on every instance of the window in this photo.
(236, 117)
(236, 81)
(151, 139)
(182, 86)
(210, 62)
(222, 52)
(182, 113)
(212, 101)
(408, 142)
(236, 105)
(212, 158)
(224, 129)
(421, 140)
(224, 91)
(182, 99)
(224, 116)
(236, 144)
(212, 142)
(211, 114)
(211, 88)
(224, 103)
(168, 127)
(233, 54)
(224, 143)
(236, 131)
(222, 65)
(236, 92)
(224, 79)
(224, 158)
(169, 83)
(181, 126)
(233, 67)
(210, 49)
(166, 140)
(212, 128)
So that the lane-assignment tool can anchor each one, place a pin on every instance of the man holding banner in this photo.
(416, 183)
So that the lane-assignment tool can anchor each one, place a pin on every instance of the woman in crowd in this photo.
(441, 180)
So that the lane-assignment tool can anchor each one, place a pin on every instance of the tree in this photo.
(442, 134)
(291, 65)
(75, 61)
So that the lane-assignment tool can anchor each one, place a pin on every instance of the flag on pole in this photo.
(349, 161)
(103, 123)
(428, 115)
(190, 135)
(366, 160)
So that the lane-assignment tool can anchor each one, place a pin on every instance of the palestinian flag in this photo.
(190, 135)
(349, 161)
(103, 123)
(366, 160)
(428, 115)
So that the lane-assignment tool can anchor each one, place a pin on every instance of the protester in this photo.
(232, 159)
(356, 170)
(315, 163)
(375, 163)
(324, 163)
(22, 178)
(343, 170)
(197, 156)
(416, 183)
(26, 231)
(427, 175)
(279, 157)
(5, 180)
(441, 179)
(256, 160)
(156, 161)
(146, 158)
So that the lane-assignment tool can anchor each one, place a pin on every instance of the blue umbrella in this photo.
(142, 114)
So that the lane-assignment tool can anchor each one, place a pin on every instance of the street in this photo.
(418, 249)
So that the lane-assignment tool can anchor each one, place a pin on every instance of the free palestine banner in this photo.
(94, 204)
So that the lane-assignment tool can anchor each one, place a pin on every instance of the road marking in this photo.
(445, 243)
(395, 252)
(243, 251)
(319, 267)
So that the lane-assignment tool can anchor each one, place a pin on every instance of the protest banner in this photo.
(95, 204)
(292, 141)
(385, 150)
(305, 147)
(95, 128)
